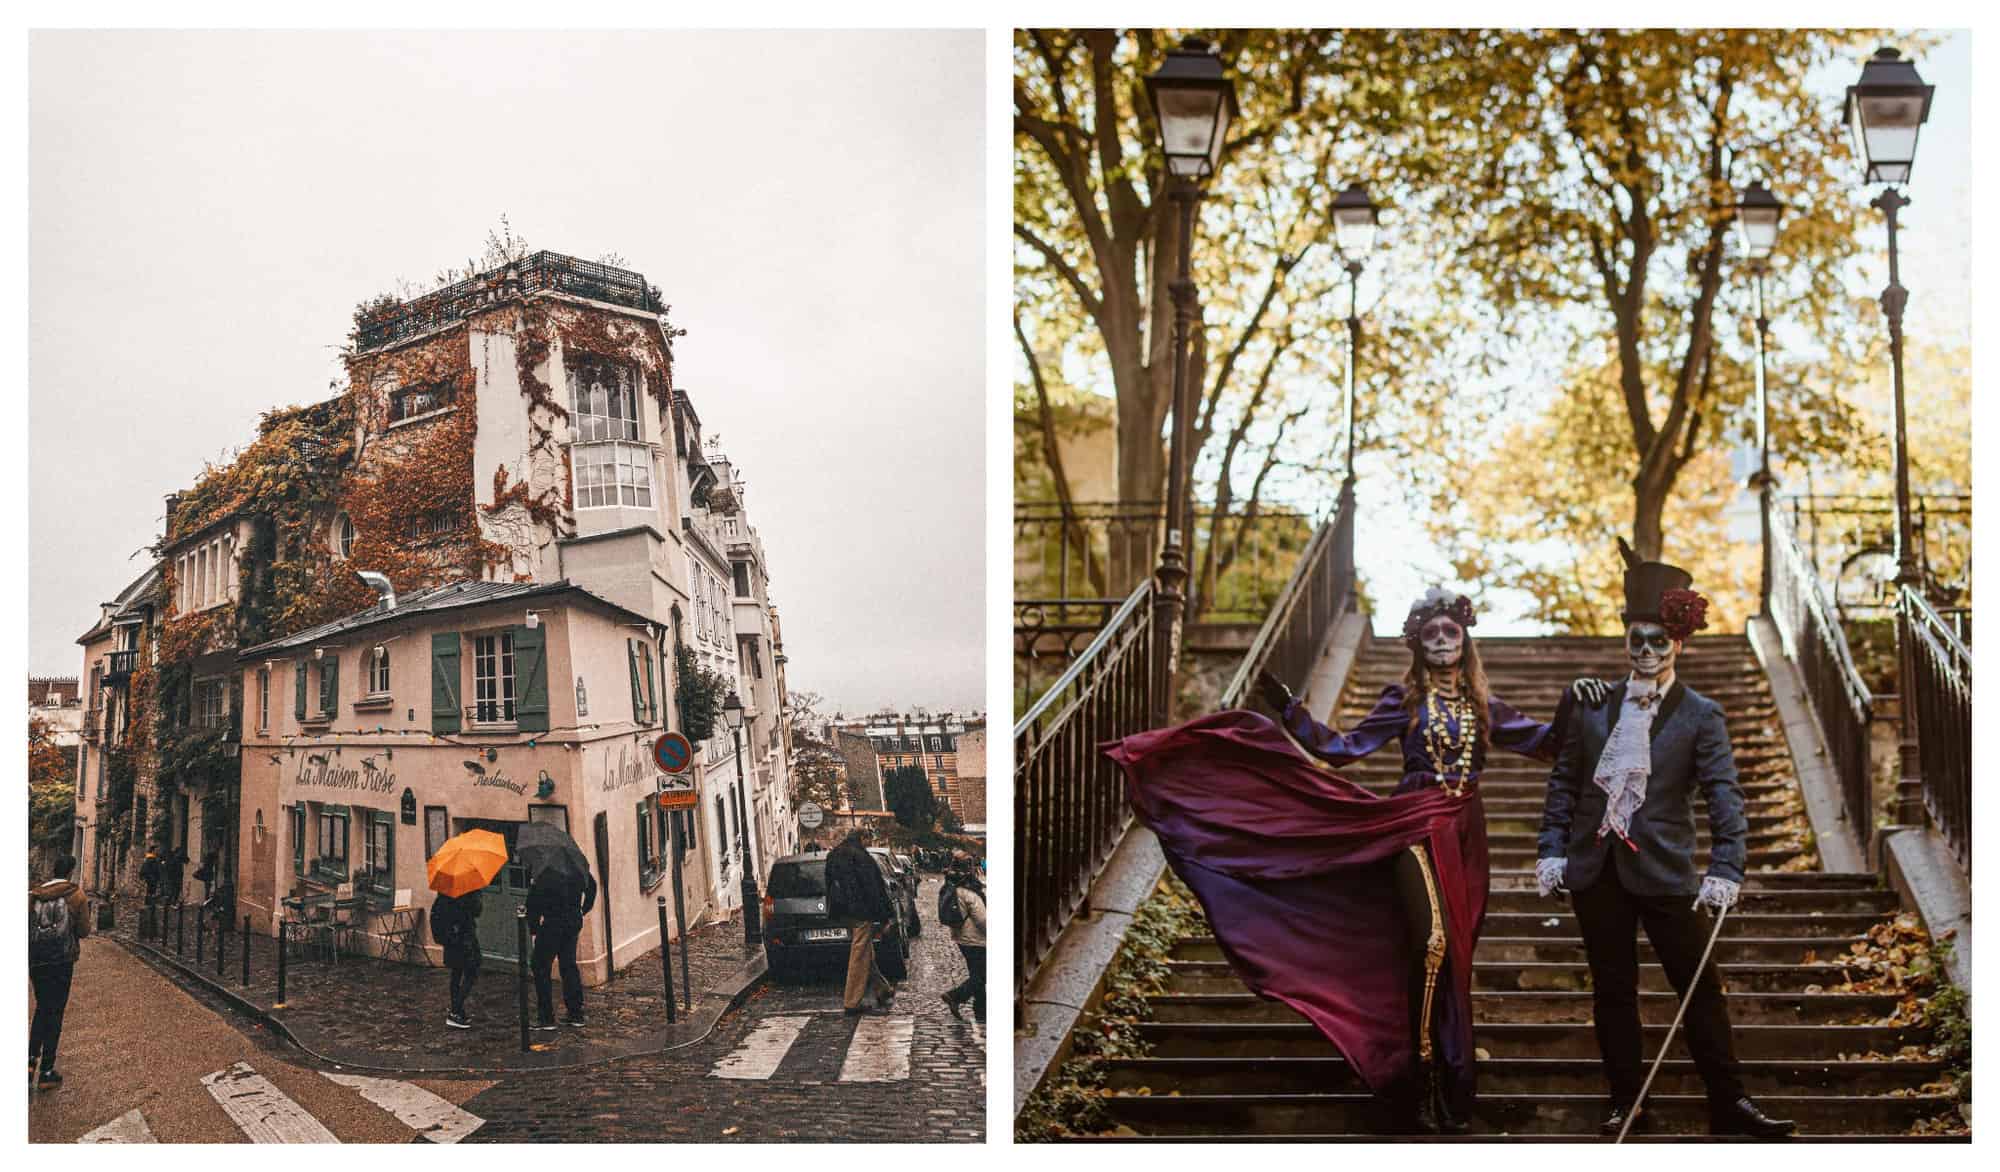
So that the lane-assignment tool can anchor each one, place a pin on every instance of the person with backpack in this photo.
(173, 866)
(150, 873)
(454, 924)
(58, 918)
(857, 894)
(557, 904)
(962, 909)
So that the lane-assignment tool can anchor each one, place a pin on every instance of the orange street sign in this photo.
(678, 799)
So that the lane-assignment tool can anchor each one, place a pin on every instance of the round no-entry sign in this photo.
(672, 752)
(810, 815)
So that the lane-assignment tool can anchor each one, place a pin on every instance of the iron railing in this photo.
(1813, 640)
(1940, 666)
(1069, 800)
(1237, 562)
(123, 664)
(1850, 542)
(1321, 590)
(544, 271)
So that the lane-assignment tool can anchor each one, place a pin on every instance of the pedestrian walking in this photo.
(205, 875)
(857, 893)
(454, 924)
(962, 909)
(58, 917)
(557, 903)
(150, 873)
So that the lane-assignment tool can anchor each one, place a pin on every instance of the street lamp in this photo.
(732, 710)
(1885, 110)
(1193, 102)
(1355, 218)
(1757, 215)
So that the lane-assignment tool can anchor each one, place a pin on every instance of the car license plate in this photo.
(826, 933)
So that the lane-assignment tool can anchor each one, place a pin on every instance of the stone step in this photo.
(1800, 901)
(1754, 860)
(1761, 826)
(1299, 1038)
(1504, 1076)
(1214, 976)
(1561, 1006)
(1560, 949)
(1550, 1138)
(1511, 1114)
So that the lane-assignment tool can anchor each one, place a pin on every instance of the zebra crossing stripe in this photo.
(436, 1119)
(129, 1128)
(879, 1050)
(265, 1114)
(761, 1053)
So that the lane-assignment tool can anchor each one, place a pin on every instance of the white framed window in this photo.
(343, 536)
(263, 698)
(211, 704)
(493, 678)
(378, 671)
(436, 523)
(609, 474)
(604, 400)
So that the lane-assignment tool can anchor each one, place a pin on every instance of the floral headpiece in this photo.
(1436, 601)
(1682, 613)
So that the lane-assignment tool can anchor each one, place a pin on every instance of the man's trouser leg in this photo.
(1608, 920)
(572, 979)
(51, 983)
(544, 956)
(1679, 934)
(861, 975)
(974, 986)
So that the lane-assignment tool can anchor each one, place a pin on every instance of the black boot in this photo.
(1614, 1123)
(1449, 1121)
(1742, 1117)
(1409, 1108)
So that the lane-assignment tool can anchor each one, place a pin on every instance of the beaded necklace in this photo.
(1443, 745)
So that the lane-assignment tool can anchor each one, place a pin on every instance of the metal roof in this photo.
(456, 596)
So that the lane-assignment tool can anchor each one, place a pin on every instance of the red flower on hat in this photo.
(1682, 613)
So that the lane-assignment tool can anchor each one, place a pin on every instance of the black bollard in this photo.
(284, 932)
(180, 930)
(200, 937)
(666, 958)
(221, 941)
(246, 951)
(521, 970)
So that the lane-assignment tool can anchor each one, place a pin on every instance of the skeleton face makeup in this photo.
(1651, 650)
(1443, 641)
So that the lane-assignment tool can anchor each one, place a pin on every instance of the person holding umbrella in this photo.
(561, 892)
(459, 871)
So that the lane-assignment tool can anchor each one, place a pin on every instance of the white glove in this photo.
(1549, 875)
(1718, 893)
(1590, 691)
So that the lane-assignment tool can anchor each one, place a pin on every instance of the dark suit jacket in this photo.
(1690, 751)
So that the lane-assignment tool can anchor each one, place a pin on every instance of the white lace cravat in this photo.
(1627, 763)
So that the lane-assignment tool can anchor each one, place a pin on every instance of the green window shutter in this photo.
(299, 691)
(330, 684)
(638, 697)
(445, 712)
(531, 711)
(652, 697)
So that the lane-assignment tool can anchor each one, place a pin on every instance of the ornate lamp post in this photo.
(1884, 112)
(1757, 216)
(1193, 103)
(732, 709)
(1355, 218)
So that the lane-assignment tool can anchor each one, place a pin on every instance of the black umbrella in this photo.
(548, 850)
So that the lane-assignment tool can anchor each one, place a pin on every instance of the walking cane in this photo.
(1633, 1114)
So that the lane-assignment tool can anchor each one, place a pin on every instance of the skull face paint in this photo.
(1651, 650)
(1443, 642)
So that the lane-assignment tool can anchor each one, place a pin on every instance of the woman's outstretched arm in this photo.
(1334, 747)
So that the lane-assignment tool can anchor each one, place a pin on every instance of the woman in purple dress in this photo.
(1359, 911)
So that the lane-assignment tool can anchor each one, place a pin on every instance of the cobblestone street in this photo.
(815, 1090)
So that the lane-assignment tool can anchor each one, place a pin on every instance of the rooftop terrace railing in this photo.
(543, 272)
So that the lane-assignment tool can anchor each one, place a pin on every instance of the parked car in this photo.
(800, 938)
(903, 884)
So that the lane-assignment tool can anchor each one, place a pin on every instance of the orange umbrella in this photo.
(466, 863)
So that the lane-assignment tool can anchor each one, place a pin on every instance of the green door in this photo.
(508, 891)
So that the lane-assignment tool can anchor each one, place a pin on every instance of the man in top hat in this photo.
(1618, 834)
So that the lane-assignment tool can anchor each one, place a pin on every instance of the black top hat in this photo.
(1646, 584)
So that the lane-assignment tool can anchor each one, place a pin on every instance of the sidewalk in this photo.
(377, 1015)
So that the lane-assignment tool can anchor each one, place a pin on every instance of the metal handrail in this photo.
(1289, 638)
(1814, 641)
(1070, 809)
(1940, 688)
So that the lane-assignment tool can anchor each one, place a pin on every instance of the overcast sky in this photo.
(206, 209)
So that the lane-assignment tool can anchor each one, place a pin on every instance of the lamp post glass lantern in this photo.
(1757, 215)
(1884, 111)
(1193, 102)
